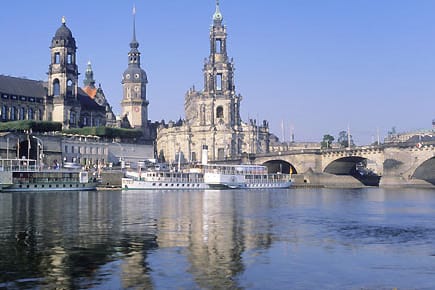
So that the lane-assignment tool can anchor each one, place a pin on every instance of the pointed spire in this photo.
(217, 16)
(134, 43)
(89, 76)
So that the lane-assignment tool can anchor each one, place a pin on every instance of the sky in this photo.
(315, 66)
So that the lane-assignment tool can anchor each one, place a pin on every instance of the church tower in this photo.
(134, 102)
(63, 78)
(219, 105)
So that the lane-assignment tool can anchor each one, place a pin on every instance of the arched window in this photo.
(13, 113)
(4, 112)
(31, 115)
(57, 57)
(22, 113)
(72, 118)
(219, 112)
(40, 116)
(56, 87)
(69, 87)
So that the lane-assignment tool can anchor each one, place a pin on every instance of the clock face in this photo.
(136, 76)
(127, 76)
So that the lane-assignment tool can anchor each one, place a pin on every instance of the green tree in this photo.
(327, 141)
(344, 140)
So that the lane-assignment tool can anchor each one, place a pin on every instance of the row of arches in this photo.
(16, 113)
(356, 166)
(69, 87)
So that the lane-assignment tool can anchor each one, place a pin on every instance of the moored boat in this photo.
(25, 175)
(244, 176)
(166, 180)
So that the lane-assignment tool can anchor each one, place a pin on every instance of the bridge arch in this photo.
(278, 165)
(426, 171)
(344, 165)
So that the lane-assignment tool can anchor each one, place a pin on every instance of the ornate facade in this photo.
(212, 116)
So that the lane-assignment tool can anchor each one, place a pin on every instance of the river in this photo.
(370, 238)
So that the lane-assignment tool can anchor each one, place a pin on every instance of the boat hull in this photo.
(43, 187)
(131, 184)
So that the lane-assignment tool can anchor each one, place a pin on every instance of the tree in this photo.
(345, 140)
(327, 141)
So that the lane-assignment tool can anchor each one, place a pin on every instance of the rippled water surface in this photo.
(279, 239)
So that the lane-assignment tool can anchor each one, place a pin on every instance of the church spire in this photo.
(134, 44)
(89, 76)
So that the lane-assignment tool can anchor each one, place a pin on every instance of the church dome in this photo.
(63, 33)
(135, 75)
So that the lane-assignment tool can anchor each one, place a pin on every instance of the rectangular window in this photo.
(221, 153)
(69, 58)
(66, 149)
(219, 82)
(218, 46)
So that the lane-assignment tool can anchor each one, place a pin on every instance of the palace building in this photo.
(59, 99)
(212, 116)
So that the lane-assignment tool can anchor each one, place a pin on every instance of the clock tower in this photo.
(134, 80)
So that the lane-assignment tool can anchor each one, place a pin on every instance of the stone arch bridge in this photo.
(398, 164)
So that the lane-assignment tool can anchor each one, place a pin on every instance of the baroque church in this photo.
(212, 116)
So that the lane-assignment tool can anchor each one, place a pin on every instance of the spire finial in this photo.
(63, 20)
(217, 14)
(134, 23)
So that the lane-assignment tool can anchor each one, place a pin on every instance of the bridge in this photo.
(392, 164)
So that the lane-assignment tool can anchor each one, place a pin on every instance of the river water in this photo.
(278, 239)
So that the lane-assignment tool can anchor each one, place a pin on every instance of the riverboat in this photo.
(19, 175)
(206, 176)
(244, 176)
(162, 179)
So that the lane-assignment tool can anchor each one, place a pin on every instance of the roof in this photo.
(87, 103)
(22, 87)
(91, 91)
(63, 32)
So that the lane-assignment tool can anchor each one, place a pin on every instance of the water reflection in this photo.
(216, 239)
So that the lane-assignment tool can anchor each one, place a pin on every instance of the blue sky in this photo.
(319, 66)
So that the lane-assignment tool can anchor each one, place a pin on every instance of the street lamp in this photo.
(40, 156)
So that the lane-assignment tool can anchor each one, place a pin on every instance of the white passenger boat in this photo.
(166, 180)
(18, 175)
(209, 176)
(244, 176)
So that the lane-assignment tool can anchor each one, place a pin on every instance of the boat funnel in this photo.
(204, 157)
